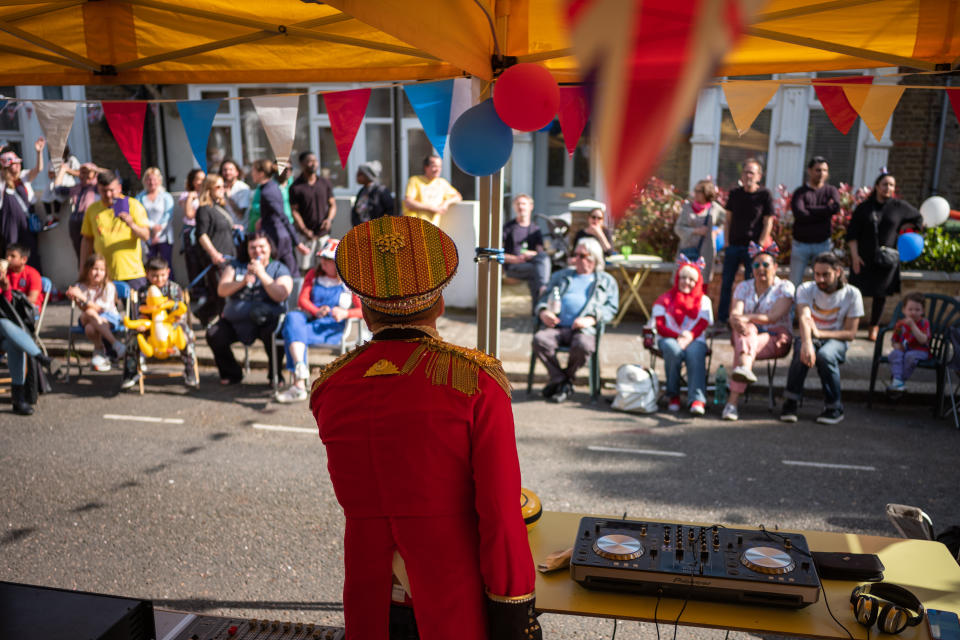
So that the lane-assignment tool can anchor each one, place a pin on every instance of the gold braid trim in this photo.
(336, 365)
(512, 599)
(454, 365)
(447, 364)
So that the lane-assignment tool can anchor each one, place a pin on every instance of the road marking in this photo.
(114, 416)
(281, 427)
(643, 452)
(828, 465)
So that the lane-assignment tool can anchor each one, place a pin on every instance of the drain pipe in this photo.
(935, 187)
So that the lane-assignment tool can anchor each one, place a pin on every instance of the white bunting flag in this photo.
(278, 115)
(55, 119)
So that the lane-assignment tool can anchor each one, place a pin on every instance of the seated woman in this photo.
(325, 305)
(760, 321)
(96, 296)
(574, 301)
(255, 294)
(680, 316)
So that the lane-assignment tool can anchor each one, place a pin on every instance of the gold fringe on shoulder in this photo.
(457, 366)
(447, 364)
(336, 365)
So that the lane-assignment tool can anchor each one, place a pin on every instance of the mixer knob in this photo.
(787, 543)
(691, 535)
(643, 530)
(714, 529)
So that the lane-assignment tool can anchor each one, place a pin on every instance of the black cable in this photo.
(614, 634)
(656, 623)
(826, 601)
(677, 621)
(726, 636)
(493, 31)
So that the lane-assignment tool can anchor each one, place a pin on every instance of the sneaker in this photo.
(190, 377)
(789, 411)
(550, 389)
(897, 385)
(99, 362)
(120, 349)
(730, 413)
(566, 390)
(674, 405)
(697, 408)
(830, 416)
(293, 393)
(129, 382)
(301, 371)
(742, 374)
(50, 224)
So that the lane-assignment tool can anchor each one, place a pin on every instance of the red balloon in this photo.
(526, 97)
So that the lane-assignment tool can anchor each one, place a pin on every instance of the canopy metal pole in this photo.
(494, 282)
(483, 266)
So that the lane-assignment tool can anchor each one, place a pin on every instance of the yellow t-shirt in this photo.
(114, 240)
(429, 192)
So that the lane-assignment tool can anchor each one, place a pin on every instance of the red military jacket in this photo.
(422, 454)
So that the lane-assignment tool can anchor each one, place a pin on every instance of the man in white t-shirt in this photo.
(828, 312)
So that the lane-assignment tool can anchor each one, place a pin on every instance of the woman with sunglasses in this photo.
(597, 230)
(697, 226)
(760, 321)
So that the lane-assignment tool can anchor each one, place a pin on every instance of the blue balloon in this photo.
(910, 246)
(720, 241)
(480, 142)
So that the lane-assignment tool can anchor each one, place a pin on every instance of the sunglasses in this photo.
(582, 255)
(762, 265)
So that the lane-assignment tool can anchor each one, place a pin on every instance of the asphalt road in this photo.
(210, 508)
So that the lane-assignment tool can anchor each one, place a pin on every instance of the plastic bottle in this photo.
(720, 390)
(556, 303)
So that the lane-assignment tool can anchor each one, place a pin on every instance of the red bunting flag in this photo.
(125, 120)
(644, 62)
(346, 110)
(834, 100)
(954, 95)
(574, 111)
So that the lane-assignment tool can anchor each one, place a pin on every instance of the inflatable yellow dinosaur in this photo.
(161, 336)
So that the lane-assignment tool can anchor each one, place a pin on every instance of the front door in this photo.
(559, 178)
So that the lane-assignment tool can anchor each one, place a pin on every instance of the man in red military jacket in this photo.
(422, 453)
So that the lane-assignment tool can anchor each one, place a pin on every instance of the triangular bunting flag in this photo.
(835, 103)
(466, 93)
(573, 114)
(125, 120)
(875, 104)
(278, 115)
(197, 117)
(954, 95)
(346, 110)
(55, 119)
(747, 99)
(431, 101)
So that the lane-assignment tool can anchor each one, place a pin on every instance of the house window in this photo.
(735, 149)
(10, 134)
(824, 139)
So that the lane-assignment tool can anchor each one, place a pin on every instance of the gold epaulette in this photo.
(336, 365)
(455, 365)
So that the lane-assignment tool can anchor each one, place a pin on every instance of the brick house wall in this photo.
(914, 131)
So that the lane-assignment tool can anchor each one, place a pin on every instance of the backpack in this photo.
(637, 389)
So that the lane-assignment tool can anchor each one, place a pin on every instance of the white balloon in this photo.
(935, 211)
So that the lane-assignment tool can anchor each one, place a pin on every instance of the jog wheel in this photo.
(768, 560)
(617, 546)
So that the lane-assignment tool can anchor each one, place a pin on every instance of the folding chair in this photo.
(141, 369)
(942, 312)
(74, 329)
(347, 341)
(46, 287)
(593, 364)
(650, 344)
(951, 389)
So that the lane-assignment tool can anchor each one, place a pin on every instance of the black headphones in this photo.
(892, 608)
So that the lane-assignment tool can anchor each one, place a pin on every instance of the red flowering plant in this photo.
(647, 225)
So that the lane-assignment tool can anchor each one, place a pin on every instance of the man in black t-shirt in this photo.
(750, 219)
(814, 204)
(523, 254)
(313, 207)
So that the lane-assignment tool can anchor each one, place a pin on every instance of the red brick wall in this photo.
(915, 130)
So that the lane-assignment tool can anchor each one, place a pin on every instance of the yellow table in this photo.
(925, 568)
(634, 270)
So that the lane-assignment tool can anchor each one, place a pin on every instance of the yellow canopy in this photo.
(229, 41)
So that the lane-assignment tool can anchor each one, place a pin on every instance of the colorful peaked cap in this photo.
(397, 265)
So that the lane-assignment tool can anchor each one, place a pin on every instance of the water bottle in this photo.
(556, 303)
(720, 390)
